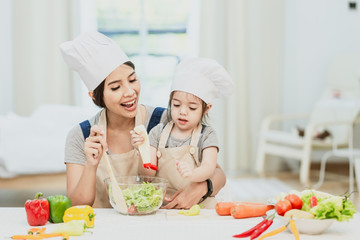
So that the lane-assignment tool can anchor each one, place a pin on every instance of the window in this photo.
(155, 35)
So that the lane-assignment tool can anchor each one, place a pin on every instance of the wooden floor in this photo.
(14, 192)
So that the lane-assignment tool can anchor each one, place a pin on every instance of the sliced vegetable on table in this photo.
(80, 212)
(194, 210)
(58, 205)
(37, 210)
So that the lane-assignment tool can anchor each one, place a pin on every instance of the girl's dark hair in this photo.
(98, 92)
(204, 117)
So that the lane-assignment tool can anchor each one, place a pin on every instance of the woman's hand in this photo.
(94, 145)
(186, 197)
(136, 139)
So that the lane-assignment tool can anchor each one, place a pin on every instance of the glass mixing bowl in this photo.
(143, 195)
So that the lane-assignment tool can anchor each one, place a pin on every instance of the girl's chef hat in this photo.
(203, 77)
(94, 56)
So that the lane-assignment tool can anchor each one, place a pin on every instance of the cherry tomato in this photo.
(132, 209)
(295, 200)
(282, 207)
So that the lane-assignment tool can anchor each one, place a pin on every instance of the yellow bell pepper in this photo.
(81, 212)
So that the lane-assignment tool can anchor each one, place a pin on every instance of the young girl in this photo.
(185, 149)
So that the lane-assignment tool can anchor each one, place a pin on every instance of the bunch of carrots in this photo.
(246, 210)
(242, 209)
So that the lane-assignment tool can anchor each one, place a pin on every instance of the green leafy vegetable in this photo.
(144, 197)
(328, 206)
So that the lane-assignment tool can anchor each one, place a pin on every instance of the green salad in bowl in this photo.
(143, 195)
(313, 211)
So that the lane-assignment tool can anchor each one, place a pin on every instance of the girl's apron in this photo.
(167, 158)
(124, 164)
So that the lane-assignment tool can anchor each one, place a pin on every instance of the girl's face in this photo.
(121, 91)
(186, 110)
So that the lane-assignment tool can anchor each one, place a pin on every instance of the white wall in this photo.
(6, 60)
(315, 32)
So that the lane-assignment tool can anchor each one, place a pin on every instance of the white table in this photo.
(168, 224)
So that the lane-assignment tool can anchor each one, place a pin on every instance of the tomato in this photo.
(295, 200)
(282, 207)
(132, 209)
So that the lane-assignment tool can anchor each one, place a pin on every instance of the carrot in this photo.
(223, 208)
(38, 236)
(250, 210)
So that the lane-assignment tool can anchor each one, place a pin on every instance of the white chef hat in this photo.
(202, 77)
(94, 56)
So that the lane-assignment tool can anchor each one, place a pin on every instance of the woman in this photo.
(114, 86)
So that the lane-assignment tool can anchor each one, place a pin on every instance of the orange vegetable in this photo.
(250, 210)
(293, 229)
(40, 236)
(223, 208)
(274, 232)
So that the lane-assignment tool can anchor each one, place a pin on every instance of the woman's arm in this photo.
(81, 183)
(81, 179)
(192, 193)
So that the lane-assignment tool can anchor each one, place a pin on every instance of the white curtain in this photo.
(246, 37)
(39, 72)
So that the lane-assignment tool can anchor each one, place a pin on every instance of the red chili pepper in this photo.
(313, 201)
(261, 229)
(37, 211)
(251, 230)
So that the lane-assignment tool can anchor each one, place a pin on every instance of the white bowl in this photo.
(308, 226)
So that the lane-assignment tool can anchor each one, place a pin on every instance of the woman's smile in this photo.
(130, 105)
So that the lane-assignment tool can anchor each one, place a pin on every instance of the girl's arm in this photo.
(192, 193)
(204, 171)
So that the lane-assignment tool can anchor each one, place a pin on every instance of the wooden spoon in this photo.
(116, 191)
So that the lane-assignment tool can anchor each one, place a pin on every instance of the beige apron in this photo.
(124, 164)
(167, 158)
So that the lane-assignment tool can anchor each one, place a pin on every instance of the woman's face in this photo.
(121, 91)
(186, 110)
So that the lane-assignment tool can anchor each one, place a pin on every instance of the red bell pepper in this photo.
(313, 201)
(37, 211)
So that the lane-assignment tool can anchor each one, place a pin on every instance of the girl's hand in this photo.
(94, 145)
(184, 169)
(136, 139)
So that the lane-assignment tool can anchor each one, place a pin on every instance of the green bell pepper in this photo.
(58, 205)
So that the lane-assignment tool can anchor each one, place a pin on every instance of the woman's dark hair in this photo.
(204, 117)
(98, 92)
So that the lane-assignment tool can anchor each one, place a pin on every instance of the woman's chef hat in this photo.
(94, 56)
(202, 77)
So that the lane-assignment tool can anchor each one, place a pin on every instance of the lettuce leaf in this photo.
(144, 197)
(328, 206)
(335, 207)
